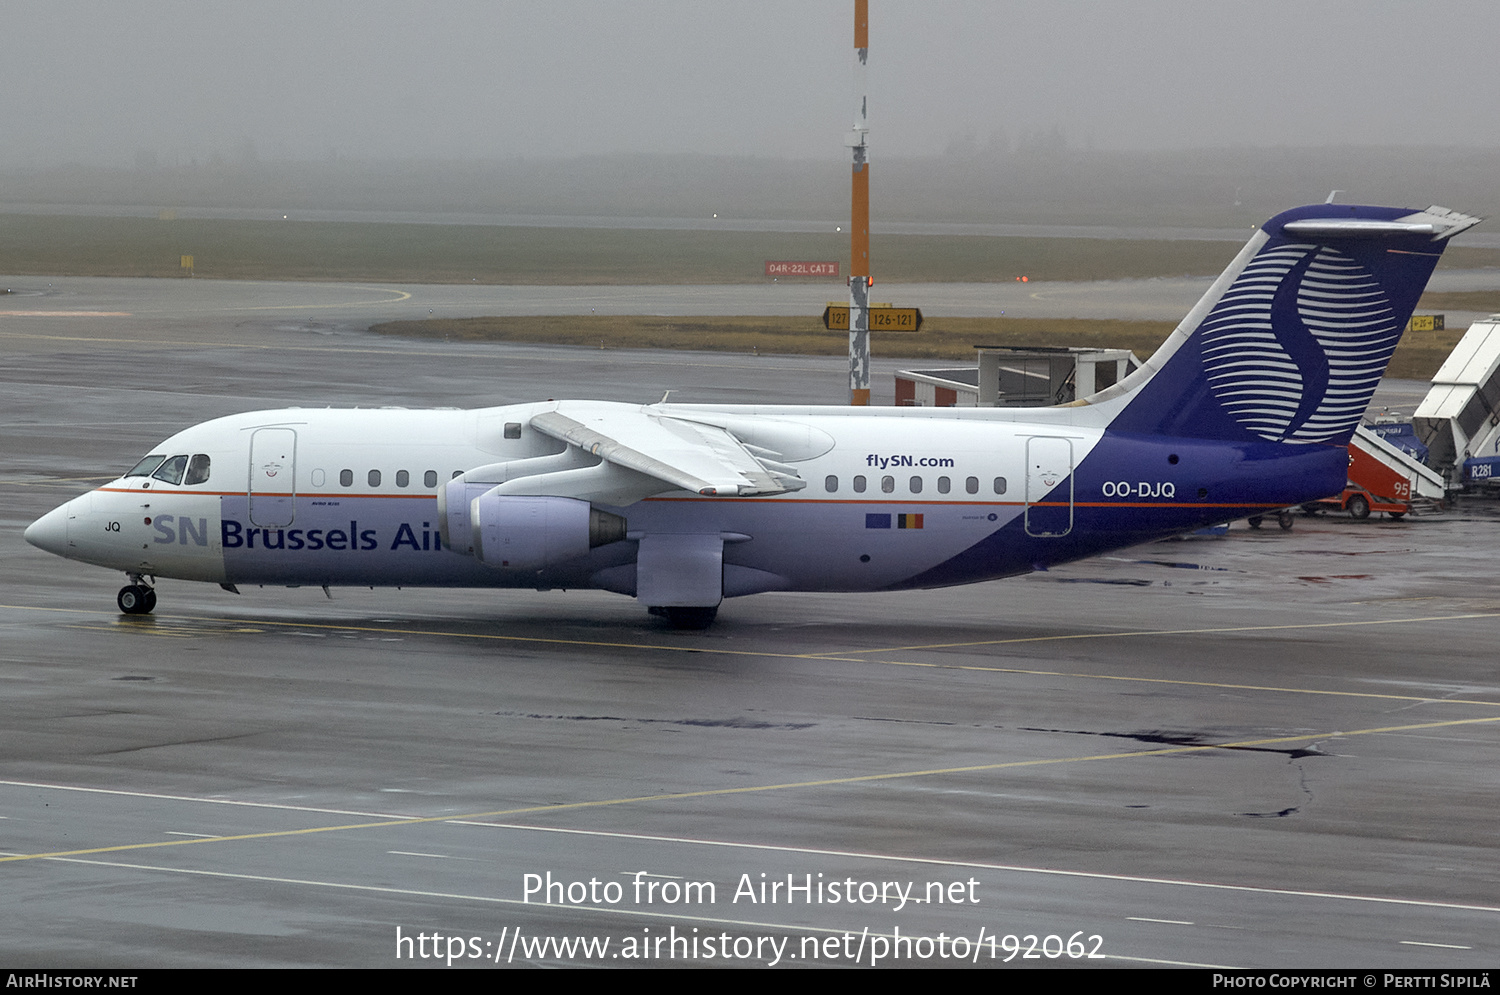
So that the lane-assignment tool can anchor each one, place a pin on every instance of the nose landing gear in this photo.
(137, 597)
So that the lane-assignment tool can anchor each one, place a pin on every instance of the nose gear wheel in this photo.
(136, 599)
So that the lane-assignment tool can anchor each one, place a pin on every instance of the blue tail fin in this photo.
(1290, 342)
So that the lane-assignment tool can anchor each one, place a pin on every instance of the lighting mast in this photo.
(859, 219)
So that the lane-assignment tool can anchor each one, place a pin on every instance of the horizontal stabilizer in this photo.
(1439, 222)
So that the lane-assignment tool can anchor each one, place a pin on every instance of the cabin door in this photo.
(273, 475)
(1049, 486)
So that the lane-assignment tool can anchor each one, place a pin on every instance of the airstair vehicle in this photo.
(1459, 419)
(1383, 477)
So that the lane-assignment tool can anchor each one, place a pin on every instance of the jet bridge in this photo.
(1017, 377)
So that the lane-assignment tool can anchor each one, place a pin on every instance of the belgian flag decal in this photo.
(877, 520)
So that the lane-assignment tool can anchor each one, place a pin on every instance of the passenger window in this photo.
(402, 478)
(346, 478)
(999, 485)
(831, 484)
(374, 478)
(429, 479)
(457, 473)
(859, 484)
(145, 466)
(916, 485)
(512, 430)
(944, 485)
(171, 470)
(888, 484)
(197, 470)
(972, 485)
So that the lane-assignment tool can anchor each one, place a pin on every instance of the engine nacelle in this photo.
(528, 533)
(455, 496)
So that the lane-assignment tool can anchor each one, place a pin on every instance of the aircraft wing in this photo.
(704, 459)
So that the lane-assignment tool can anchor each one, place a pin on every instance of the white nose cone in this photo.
(50, 532)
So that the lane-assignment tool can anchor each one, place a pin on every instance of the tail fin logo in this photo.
(1294, 349)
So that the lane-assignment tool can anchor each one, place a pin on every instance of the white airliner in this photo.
(1247, 407)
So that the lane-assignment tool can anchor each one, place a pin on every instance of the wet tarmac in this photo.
(1267, 749)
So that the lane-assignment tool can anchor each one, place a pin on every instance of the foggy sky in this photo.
(122, 83)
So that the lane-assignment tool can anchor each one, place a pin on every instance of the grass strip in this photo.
(421, 253)
(1418, 356)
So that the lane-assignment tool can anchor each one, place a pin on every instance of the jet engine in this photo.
(456, 496)
(513, 532)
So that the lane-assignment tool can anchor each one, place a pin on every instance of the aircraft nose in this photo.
(50, 532)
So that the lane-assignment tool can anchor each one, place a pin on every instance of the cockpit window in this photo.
(171, 470)
(145, 466)
(197, 470)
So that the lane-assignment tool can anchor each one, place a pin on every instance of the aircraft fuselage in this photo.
(894, 498)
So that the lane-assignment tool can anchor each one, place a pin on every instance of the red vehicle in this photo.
(1372, 486)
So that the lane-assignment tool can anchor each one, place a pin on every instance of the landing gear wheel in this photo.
(1396, 516)
(1285, 520)
(690, 618)
(1359, 507)
(136, 599)
(1254, 521)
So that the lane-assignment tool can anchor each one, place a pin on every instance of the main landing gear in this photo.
(687, 617)
(137, 597)
(1283, 518)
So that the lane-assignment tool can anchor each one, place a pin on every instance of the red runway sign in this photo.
(789, 267)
